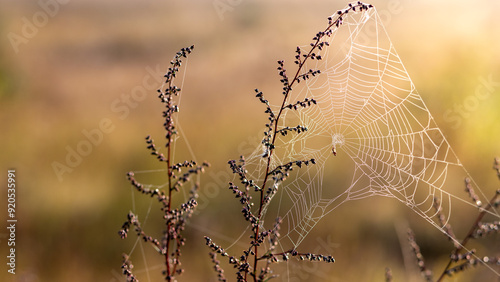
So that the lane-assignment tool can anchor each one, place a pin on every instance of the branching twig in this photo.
(301, 59)
(177, 173)
(244, 264)
(471, 234)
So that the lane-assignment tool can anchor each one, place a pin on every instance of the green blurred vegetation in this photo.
(66, 78)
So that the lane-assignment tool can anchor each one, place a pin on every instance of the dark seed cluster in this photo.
(310, 72)
(167, 95)
(285, 256)
(496, 166)
(466, 256)
(306, 103)
(284, 77)
(485, 229)
(281, 172)
(217, 268)
(127, 269)
(216, 248)
(470, 190)
(418, 255)
(469, 261)
(462, 266)
(443, 222)
(268, 133)
(298, 129)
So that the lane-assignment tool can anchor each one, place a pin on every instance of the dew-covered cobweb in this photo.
(386, 141)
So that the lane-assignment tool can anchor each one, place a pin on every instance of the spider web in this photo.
(385, 139)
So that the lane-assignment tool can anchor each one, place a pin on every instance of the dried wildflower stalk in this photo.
(127, 269)
(248, 263)
(459, 260)
(477, 230)
(418, 255)
(178, 174)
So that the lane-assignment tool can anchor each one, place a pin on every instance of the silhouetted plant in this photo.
(247, 264)
(178, 174)
(462, 259)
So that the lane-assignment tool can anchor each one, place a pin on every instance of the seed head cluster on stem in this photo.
(248, 263)
(178, 174)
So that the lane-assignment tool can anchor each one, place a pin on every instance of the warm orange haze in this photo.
(78, 96)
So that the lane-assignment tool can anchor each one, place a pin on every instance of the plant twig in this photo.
(287, 88)
(177, 173)
(470, 234)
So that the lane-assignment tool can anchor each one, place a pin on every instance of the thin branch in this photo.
(317, 44)
(470, 234)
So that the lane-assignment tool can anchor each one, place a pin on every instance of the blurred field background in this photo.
(69, 74)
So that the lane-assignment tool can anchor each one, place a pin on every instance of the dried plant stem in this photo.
(317, 41)
(244, 264)
(469, 235)
(177, 175)
(169, 203)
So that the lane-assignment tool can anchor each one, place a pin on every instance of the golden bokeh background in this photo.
(74, 70)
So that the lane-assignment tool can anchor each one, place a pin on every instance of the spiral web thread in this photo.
(384, 137)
